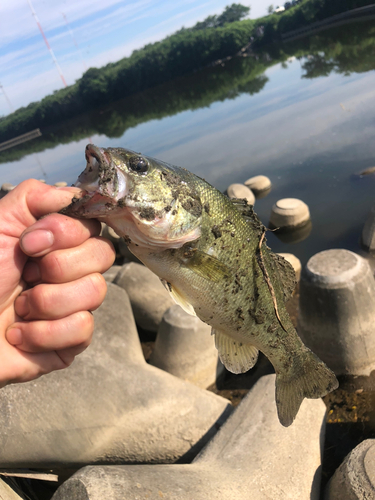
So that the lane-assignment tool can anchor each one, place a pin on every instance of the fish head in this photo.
(147, 201)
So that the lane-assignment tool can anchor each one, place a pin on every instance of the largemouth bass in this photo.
(211, 254)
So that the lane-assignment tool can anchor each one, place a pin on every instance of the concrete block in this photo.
(110, 406)
(111, 274)
(293, 235)
(185, 348)
(260, 185)
(368, 232)
(8, 493)
(355, 478)
(148, 297)
(241, 191)
(289, 213)
(109, 233)
(337, 311)
(5, 188)
(295, 263)
(251, 457)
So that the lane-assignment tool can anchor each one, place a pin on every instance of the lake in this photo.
(302, 113)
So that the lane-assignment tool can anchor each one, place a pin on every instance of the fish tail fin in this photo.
(308, 377)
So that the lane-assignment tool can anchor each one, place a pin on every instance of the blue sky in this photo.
(104, 31)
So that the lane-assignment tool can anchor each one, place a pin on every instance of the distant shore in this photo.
(184, 53)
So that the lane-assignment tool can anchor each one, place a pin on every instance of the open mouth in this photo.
(101, 175)
(103, 184)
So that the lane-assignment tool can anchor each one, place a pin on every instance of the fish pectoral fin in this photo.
(286, 273)
(207, 267)
(179, 297)
(236, 356)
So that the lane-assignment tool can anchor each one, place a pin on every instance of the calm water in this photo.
(256, 116)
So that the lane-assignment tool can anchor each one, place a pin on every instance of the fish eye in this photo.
(138, 164)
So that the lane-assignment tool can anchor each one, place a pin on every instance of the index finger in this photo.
(57, 232)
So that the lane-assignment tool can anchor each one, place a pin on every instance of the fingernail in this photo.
(70, 189)
(21, 306)
(37, 241)
(14, 336)
(31, 272)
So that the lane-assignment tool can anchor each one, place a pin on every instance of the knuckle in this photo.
(39, 300)
(108, 250)
(85, 324)
(98, 288)
(53, 264)
(37, 336)
(28, 185)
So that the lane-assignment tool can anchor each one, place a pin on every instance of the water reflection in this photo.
(199, 90)
(308, 126)
(294, 235)
(341, 50)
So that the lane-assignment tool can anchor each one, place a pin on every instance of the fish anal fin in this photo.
(308, 377)
(237, 357)
(286, 273)
(206, 266)
(179, 297)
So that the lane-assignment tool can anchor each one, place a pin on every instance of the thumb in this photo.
(32, 199)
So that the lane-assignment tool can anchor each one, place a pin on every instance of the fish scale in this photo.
(211, 254)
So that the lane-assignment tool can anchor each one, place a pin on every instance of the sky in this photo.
(83, 34)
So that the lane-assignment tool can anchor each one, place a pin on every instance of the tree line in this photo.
(185, 52)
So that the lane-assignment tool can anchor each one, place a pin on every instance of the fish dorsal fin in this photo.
(179, 297)
(286, 273)
(236, 356)
(206, 266)
(247, 212)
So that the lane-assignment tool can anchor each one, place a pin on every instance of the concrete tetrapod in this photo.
(7, 493)
(289, 213)
(294, 262)
(5, 188)
(251, 457)
(148, 297)
(355, 478)
(368, 231)
(111, 274)
(259, 185)
(336, 311)
(185, 348)
(110, 406)
(241, 191)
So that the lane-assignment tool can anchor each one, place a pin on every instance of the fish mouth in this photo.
(102, 183)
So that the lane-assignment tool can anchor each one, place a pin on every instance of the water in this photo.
(255, 115)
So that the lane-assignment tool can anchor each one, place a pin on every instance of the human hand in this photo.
(50, 280)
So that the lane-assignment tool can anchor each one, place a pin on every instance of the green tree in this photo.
(93, 86)
(209, 22)
(232, 13)
(270, 9)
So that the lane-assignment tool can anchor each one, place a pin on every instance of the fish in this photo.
(211, 254)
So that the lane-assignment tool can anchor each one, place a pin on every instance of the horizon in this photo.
(89, 35)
